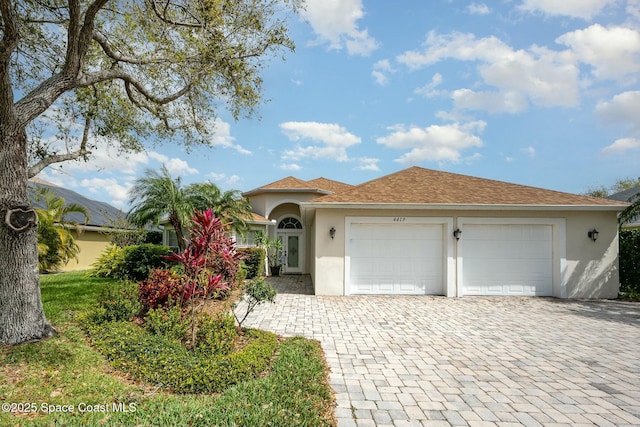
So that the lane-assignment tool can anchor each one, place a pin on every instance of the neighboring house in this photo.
(627, 196)
(91, 237)
(420, 231)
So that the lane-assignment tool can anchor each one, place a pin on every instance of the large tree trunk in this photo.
(22, 318)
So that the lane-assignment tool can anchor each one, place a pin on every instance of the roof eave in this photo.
(456, 206)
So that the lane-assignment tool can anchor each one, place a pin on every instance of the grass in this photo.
(64, 372)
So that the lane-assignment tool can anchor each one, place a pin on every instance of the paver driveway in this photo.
(476, 361)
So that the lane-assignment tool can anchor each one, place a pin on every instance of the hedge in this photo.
(630, 260)
(254, 261)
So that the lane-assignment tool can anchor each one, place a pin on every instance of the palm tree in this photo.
(230, 206)
(157, 195)
(632, 211)
(56, 245)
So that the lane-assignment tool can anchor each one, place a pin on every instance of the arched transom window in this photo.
(289, 224)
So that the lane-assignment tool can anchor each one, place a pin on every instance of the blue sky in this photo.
(536, 92)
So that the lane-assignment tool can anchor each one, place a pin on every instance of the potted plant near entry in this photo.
(274, 251)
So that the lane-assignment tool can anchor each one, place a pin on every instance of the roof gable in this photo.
(319, 185)
(417, 185)
(290, 182)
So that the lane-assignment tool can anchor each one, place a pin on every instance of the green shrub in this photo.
(630, 261)
(169, 322)
(254, 259)
(216, 334)
(131, 262)
(118, 303)
(163, 362)
(139, 260)
(257, 291)
(110, 263)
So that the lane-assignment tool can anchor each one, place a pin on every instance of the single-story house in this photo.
(421, 231)
(629, 195)
(92, 237)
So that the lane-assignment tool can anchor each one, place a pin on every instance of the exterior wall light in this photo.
(457, 233)
(332, 232)
(593, 234)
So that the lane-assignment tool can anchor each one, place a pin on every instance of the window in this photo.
(171, 238)
(249, 238)
(289, 224)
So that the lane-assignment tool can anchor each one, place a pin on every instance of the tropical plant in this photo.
(211, 262)
(632, 211)
(56, 245)
(157, 195)
(230, 206)
(273, 247)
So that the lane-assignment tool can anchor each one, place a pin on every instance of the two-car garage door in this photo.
(492, 258)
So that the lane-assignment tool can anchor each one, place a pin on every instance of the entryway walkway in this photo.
(474, 361)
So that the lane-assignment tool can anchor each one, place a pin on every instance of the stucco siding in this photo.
(91, 244)
(583, 268)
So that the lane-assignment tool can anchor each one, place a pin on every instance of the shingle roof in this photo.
(417, 185)
(330, 185)
(286, 183)
(318, 185)
(626, 195)
(100, 214)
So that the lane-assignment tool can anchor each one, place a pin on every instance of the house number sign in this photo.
(399, 219)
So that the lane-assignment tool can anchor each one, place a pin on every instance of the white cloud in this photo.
(529, 151)
(290, 167)
(492, 102)
(336, 22)
(223, 178)
(478, 9)
(443, 143)
(333, 140)
(221, 136)
(622, 145)
(613, 52)
(118, 192)
(368, 164)
(429, 90)
(380, 71)
(537, 75)
(585, 9)
(175, 166)
(621, 109)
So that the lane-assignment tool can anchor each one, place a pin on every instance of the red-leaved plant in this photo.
(210, 260)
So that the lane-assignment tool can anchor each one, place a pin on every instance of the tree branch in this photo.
(163, 15)
(70, 155)
(106, 48)
(116, 74)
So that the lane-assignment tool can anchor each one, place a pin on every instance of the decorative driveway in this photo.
(473, 361)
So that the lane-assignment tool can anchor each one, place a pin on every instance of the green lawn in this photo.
(63, 381)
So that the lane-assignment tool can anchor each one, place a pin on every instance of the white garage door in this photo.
(510, 259)
(396, 259)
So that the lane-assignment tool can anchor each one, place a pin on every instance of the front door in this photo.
(292, 252)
